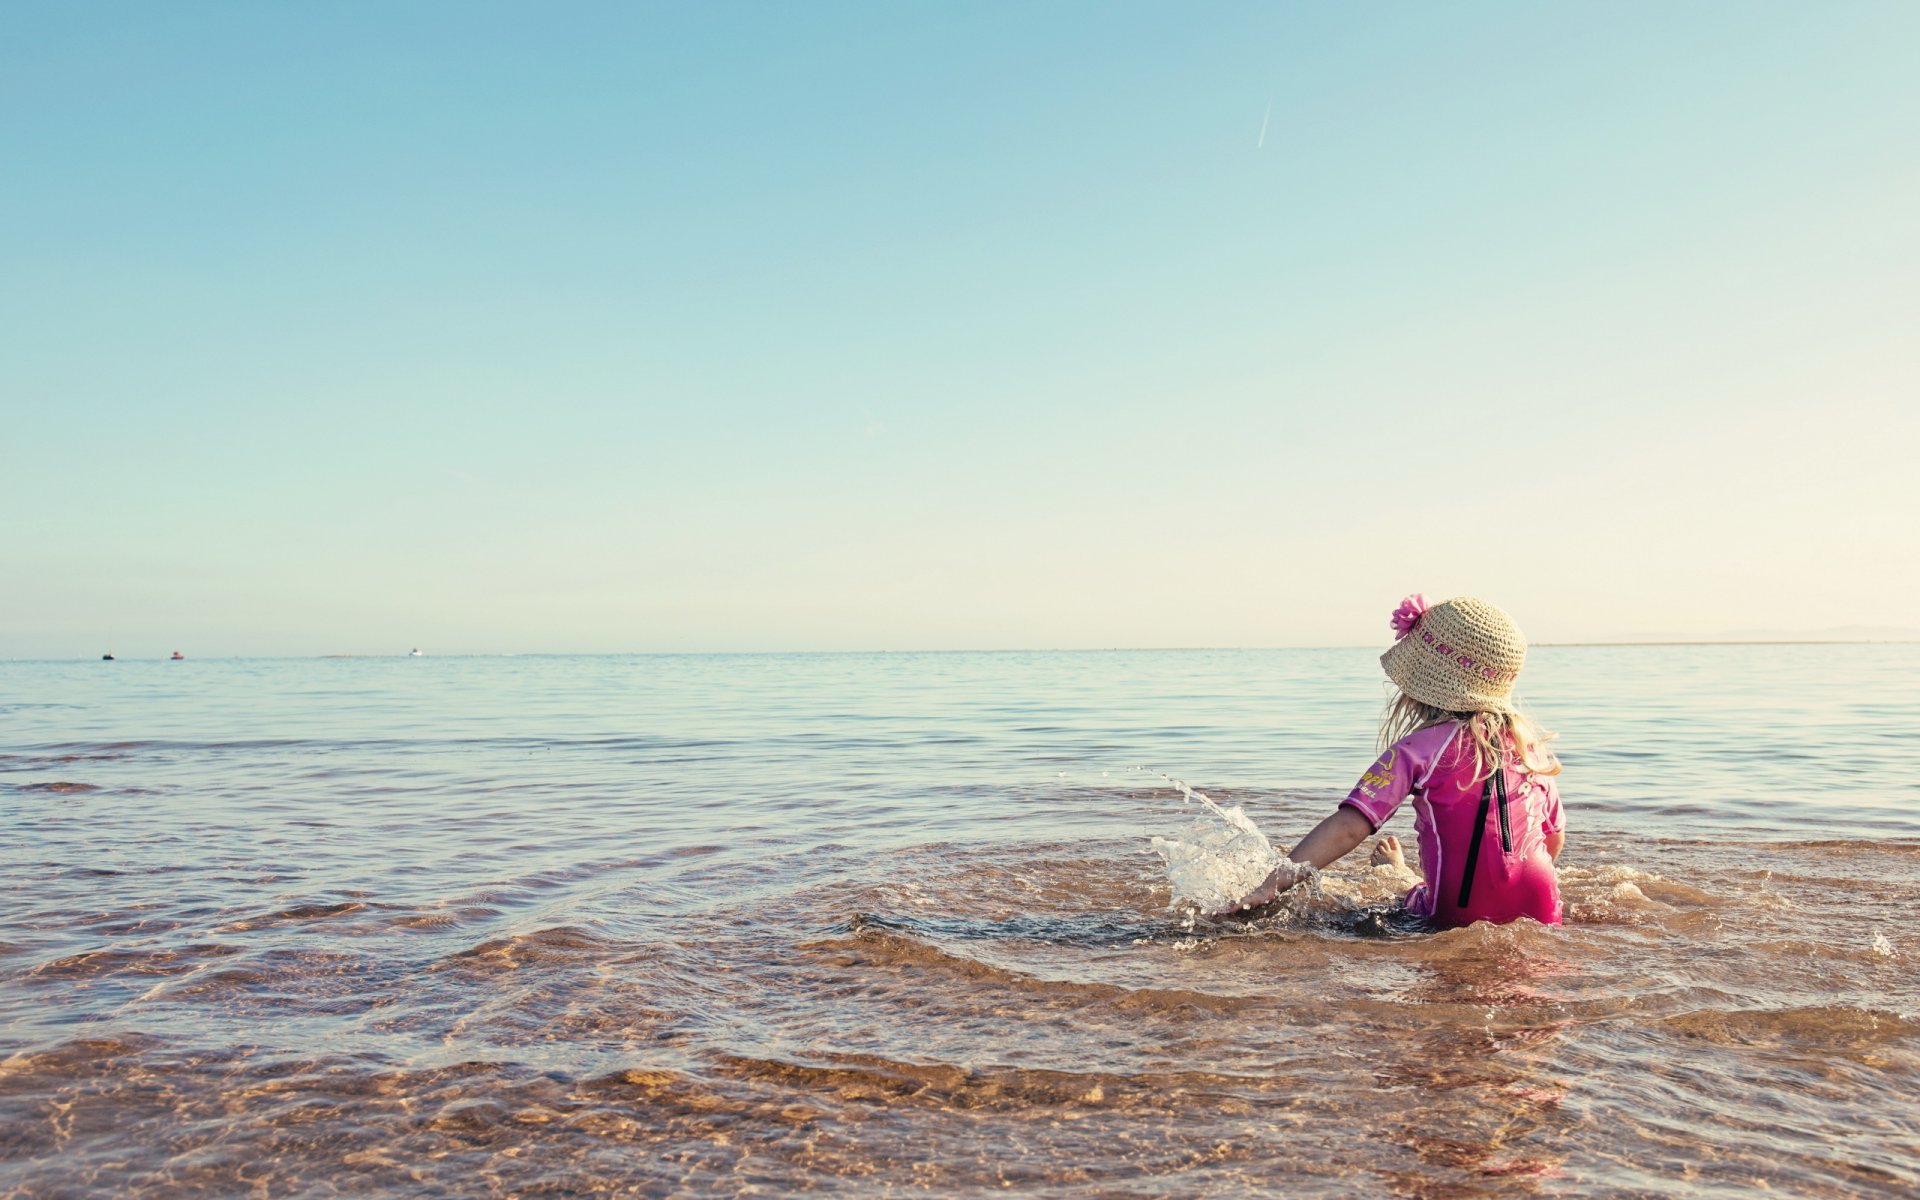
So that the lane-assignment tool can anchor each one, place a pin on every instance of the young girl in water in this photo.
(1486, 811)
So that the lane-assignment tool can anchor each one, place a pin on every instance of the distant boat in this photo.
(177, 656)
(415, 653)
(107, 657)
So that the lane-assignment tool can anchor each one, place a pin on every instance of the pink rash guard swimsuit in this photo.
(1483, 843)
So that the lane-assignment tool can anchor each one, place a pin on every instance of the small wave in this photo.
(1875, 950)
(62, 788)
(559, 945)
(97, 964)
(1904, 847)
(436, 919)
(1088, 929)
(81, 1057)
(296, 914)
(476, 1116)
(288, 981)
(1813, 1028)
(917, 962)
(86, 751)
(1615, 895)
(872, 1078)
(110, 749)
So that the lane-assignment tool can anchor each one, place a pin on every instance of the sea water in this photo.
(889, 924)
(1217, 860)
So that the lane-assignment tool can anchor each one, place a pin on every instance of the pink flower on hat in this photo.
(1408, 615)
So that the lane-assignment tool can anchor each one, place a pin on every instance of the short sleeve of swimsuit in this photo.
(1388, 782)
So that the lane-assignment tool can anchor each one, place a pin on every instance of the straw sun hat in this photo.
(1460, 655)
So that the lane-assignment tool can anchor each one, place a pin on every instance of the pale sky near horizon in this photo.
(347, 328)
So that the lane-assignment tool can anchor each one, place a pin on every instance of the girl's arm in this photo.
(1555, 825)
(1330, 841)
(1381, 790)
(1333, 838)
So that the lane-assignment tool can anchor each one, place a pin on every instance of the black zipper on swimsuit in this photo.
(1506, 832)
(1497, 779)
(1473, 849)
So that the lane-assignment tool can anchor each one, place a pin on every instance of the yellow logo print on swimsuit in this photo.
(1379, 774)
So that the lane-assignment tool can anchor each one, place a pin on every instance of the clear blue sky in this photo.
(353, 327)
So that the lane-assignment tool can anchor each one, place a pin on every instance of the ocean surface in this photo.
(891, 924)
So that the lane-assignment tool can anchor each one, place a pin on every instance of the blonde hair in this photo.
(1498, 735)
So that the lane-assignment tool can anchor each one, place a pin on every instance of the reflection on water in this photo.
(877, 924)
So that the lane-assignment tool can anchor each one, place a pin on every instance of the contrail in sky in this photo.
(1263, 126)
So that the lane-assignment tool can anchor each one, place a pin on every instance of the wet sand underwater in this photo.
(879, 925)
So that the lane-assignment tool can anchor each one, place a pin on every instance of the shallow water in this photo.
(874, 924)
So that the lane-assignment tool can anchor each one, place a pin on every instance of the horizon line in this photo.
(1888, 641)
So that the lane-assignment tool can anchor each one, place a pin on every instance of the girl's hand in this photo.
(1283, 877)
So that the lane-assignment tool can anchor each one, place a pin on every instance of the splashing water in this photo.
(1217, 859)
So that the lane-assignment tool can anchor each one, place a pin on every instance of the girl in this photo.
(1486, 810)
